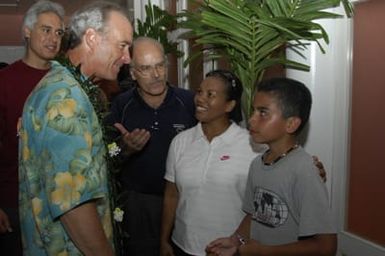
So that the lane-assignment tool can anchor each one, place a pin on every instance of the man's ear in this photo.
(292, 124)
(91, 39)
(26, 32)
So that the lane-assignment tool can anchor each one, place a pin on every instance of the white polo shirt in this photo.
(211, 180)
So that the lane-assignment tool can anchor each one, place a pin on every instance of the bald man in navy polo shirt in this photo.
(148, 117)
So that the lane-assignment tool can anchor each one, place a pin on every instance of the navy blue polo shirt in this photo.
(144, 171)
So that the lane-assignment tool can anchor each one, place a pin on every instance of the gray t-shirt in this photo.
(287, 200)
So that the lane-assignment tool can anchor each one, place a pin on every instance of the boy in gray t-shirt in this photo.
(286, 202)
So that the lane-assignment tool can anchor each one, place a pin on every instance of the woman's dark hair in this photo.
(233, 90)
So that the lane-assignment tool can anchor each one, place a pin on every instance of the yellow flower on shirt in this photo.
(63, 253)
(65, 108)
(36, 209)
(67, 190)
(88, 138)
(25, 149)
(36, 206)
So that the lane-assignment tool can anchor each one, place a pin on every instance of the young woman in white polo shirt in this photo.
(206, 171)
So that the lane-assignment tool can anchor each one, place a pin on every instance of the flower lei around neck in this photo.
(94, 94)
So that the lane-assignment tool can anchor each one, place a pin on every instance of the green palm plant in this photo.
(251, 34)
(157, 24)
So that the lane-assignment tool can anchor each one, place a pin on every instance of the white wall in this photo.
(329, 81)
(11, 53)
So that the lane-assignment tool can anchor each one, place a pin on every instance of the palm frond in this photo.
(250, 32)
(156, 25)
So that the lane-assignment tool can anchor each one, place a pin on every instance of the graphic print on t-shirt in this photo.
(270, 209)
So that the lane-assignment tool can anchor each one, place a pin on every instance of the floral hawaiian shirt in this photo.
(61, 163)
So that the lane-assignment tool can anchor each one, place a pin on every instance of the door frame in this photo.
(349, 243)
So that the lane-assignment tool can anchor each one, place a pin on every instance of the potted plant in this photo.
(252, 34)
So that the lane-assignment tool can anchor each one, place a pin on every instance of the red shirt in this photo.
(16, 82)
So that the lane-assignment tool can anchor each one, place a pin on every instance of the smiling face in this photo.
(211, 101)
(44, 38)
(267, 124)
(112, 48)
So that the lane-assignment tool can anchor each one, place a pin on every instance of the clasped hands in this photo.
(222, 247)
(133, 141)
(227, 246)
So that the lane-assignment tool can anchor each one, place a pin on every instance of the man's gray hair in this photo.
(42, 6)
(92, 16)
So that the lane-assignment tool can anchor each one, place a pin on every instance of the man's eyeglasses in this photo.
(147, 70)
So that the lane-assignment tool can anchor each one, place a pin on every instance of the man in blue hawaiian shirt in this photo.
(64, 197)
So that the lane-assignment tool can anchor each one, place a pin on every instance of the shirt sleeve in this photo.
(249, 192)
(171, 161)
(311, 198)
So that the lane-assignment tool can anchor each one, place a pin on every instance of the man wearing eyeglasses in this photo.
(148, 117)
(42, 32)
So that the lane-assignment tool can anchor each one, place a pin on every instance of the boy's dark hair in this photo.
(293, 96)
(234, 91)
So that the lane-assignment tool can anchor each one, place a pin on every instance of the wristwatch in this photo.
(241, 241)
(240, 238)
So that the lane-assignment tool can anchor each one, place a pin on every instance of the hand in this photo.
(5, 225)
(320, 166)
(166, 249)
(133, 141)
(222, 246)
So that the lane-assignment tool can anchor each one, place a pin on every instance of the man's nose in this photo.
(155, 71)
(126, 57)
